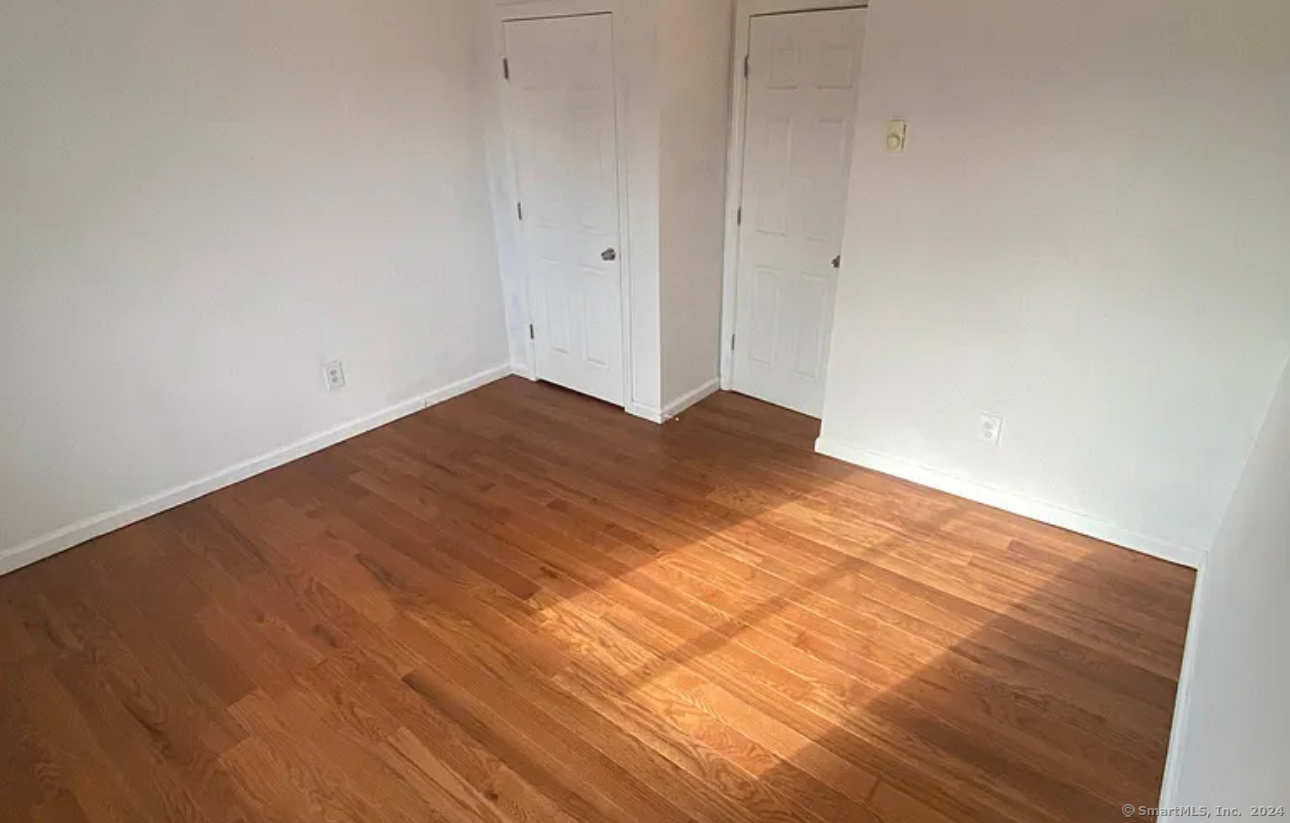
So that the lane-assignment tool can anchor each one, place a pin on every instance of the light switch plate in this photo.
(896, 130)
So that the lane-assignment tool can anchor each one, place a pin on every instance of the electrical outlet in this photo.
(334, 375)
(991, 428)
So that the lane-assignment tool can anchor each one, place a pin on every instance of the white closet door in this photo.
(561, 88)
(803, 73)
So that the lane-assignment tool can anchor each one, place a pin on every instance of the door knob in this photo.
(609, 255)
(837, 262)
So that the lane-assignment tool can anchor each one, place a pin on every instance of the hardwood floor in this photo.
(522, 605)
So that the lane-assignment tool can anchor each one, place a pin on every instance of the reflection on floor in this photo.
(523, 605)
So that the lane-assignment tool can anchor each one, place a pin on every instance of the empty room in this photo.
(644, 411)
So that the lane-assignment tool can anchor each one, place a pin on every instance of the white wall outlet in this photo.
(334, 375)
(991, 428)
(896, 135)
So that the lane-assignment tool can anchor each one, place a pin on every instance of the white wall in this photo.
(1232, 740)
(695, 54)
(1087, 236)
(203, 202)
(641, 139)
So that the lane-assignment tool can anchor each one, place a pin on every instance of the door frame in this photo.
(505, 186)
(745, 11)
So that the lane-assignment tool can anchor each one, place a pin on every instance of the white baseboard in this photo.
(690, 398)
(523, 370)
(644, 412)
(1171, 784)
(1016, 504)
(65, 538)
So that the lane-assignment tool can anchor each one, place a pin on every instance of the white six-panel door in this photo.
(803, 70)
(562, 105)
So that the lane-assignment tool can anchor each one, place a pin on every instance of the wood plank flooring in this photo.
(522, 605)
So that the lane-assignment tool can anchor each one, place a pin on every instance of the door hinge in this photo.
(739, 216)
(532, 336)
(732, 342)
(506, 69)
(519, 210)
(745, 66)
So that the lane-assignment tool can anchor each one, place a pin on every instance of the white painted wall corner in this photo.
(521, 369)
(690, 398)
(644, 412)
(1170, 786)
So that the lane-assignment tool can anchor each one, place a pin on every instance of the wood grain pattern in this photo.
(522, 605)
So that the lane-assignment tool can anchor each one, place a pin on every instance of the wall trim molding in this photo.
(690, 398)
(644, 412)
(1171, 784)
(521, 369)
(995, 497)
(97, 525)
